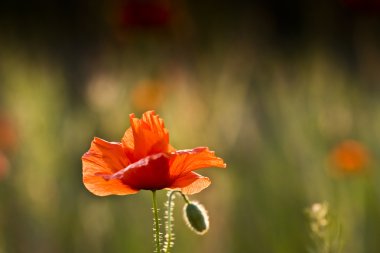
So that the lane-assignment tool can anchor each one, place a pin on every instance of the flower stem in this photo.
(169, 236)
(156, 223)
(185, 198)
(169, 224)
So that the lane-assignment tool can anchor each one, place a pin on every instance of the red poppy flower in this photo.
(350, 156)
(4, 166)
(144, 160)
(145, 14)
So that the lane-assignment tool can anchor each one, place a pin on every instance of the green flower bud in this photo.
(196, 217)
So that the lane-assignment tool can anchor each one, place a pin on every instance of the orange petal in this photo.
(188, 160)
(191, 183)
(104, 158)
(108, 155)
(149, 135)
(149, 173)
(128, 143)
(101, 187)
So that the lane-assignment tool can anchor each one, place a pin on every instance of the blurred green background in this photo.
(272, 87)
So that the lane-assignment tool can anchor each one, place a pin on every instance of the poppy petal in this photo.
(188, 160)
(104, 158)
(101, 187)
(191, 183)
(149, 173)
(149, 135)
(128, 143)
(109, 155)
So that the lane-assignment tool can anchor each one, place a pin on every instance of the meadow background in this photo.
(272, 87)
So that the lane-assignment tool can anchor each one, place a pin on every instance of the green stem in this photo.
(169, 232)
(156, 223)
(169, 226)
(185, 198)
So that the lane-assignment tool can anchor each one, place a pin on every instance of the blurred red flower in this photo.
(144, 160)
(4, 166)
(8, 141)
(148, 93)
(350, 156)
(145, 14)
(8, 133)
(369, 6)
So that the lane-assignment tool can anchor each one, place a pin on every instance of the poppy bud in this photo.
(196, 217)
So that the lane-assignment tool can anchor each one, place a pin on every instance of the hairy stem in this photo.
(169, 231)
(169, 224)
(156, 223)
